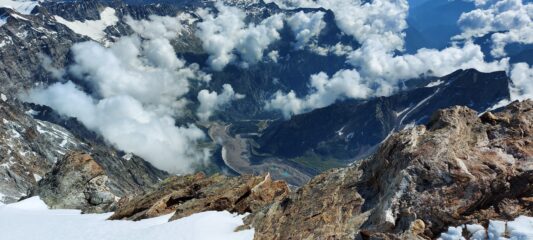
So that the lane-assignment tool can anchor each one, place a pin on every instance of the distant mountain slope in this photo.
(351, 130)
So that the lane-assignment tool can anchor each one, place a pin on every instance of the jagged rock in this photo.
(458, 169)
(77, 182)
(186, 195)
(29, 148)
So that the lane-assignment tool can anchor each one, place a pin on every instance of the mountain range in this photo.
(141, 107)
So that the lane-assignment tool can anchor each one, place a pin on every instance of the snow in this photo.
(93, 29)
(37, 177)
(454, 233)
(476, 231)
(63, 143)
(418, 105)
(2, 199)
(3, 97)
(33, 203)
(519, 229)
(127, 156)
(496, 229)
(435, 83)
(29, 218)
(21, 6)
(3, 20)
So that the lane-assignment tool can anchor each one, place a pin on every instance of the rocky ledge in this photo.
(186, 195)
(460, 168)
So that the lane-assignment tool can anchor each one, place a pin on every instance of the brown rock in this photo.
(186, 195)
(76, 182)
(460, 168)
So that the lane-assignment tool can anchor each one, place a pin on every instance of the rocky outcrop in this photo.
(29, 149)
(186, 195)
(460, 168)
(77, 182)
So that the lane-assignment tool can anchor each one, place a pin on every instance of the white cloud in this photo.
(510, 20)
(522, 76)
(379, 26)
(138, 87)
(325, 91)
(159, 26)
(380, 74)
(386, 69)
(124, 122)
(226, 33)
(149, 71)
(381, 21)
(306, 26)
(501, 40)
(212, 101)
(274, 55)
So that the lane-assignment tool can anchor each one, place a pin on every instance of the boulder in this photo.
(77, 182)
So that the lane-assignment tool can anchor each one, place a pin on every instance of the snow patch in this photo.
(435, 83)
(33, 203)
(21, 6)
(127, 156)
(3, 97)
(37, 177)
(93, 29)
(520, 228)
(32, 213)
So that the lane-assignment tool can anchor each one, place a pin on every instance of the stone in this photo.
(458, 169)
(77, 182)
(186, 195)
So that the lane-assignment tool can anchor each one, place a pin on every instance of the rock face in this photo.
(29, 149)
(77, 182)
(186, 195)
(460, 168)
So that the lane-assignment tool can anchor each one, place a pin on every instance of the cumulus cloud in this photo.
(380, 73)
(149, 71)
(156, 26)
(225, 34)
(212, 101)
(511, 21)
(138, 87)
(382, 21)
(325, 91)
(306, 26)
(127, 124)
(522, 77)
(387, 69)
(378, 65)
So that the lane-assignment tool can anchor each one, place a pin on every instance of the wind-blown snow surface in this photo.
(31, 219)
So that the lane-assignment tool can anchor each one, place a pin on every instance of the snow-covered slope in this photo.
(92, 28)
(22, 6)
(31, 219)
